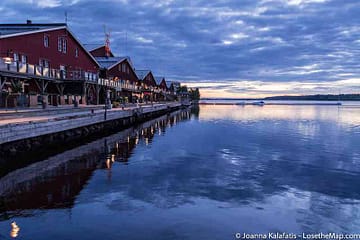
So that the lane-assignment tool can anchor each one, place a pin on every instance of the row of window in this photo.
(23, 59)
(62, 45)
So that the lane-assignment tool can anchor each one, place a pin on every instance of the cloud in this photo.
(256, 88)
(272, 42)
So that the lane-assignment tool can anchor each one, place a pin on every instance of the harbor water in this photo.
(209, 172)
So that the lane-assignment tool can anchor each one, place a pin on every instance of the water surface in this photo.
(207, 173)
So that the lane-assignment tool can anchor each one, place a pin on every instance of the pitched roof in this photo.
(110, 62)
(158, 80)
(9, 30)
(142, 73)
(94, 46)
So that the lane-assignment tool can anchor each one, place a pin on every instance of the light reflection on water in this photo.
(338, 114)
(226, 169)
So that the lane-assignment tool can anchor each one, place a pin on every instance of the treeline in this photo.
(319, 97)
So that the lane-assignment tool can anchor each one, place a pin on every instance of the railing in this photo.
(118, 84)
(41, 71)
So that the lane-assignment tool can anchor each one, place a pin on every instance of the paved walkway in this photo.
(27, 115)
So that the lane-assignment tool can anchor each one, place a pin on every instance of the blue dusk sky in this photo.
(228, 48)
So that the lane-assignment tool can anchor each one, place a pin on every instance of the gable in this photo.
(121, 69)
(150, 80)
(30, 39)
(100, 52)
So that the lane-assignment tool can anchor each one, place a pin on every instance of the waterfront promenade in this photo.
(31, 115)
(26, 124)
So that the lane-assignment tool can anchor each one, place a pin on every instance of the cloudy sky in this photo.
(228, 48)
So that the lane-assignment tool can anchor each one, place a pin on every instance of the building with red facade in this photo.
(46, 64)
(121, 71)
(148, 85)
(44, 60)
(164, 91)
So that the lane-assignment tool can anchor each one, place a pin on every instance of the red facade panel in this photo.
(163, 85)
(100, 52)
(123, 71)
(149, 80)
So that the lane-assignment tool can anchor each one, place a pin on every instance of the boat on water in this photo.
(259, 103)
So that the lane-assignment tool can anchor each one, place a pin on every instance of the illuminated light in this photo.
(147, 141)
(15, 229)
(137, 141)
(108, 166)
(7, 60)
(113, 157)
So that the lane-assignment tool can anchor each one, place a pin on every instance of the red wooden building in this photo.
(47, 60)
(148, 85)
(120, 70)
(161, 83)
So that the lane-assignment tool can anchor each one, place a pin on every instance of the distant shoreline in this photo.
(329, 97)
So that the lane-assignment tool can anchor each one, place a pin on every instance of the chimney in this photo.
(28, 22)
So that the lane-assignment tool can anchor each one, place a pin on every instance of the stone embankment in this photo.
(20, 137)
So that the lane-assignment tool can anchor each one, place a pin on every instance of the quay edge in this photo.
(32, 137)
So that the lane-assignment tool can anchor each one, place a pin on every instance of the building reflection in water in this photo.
(15, 229)
(55, 182)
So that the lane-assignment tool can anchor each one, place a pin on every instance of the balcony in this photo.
(118, 84)
(39, 71)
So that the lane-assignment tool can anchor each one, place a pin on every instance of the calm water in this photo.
(207, 173)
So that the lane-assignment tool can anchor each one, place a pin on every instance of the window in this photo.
(62, 45)
(76, 52)
(46, 41)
